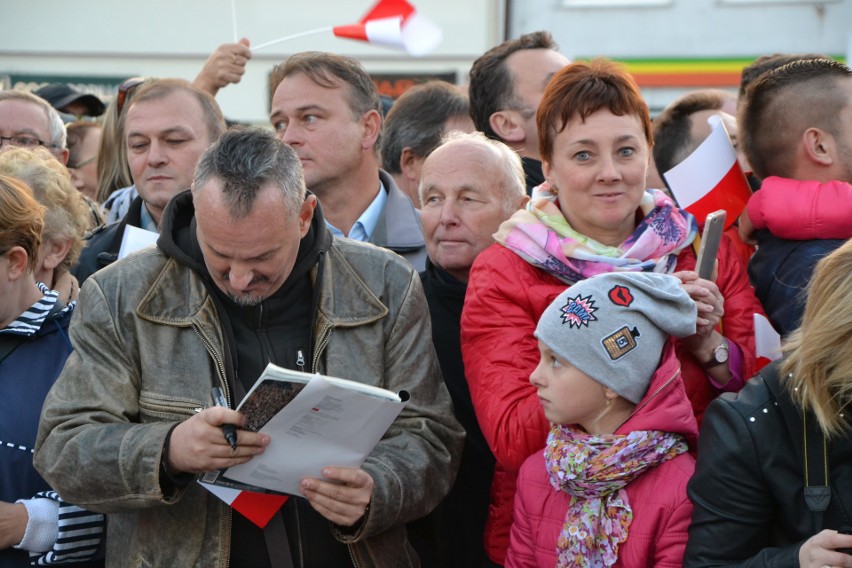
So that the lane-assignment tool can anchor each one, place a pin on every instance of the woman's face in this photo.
(598, 169)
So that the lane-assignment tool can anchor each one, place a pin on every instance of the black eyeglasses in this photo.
(125, 88)
(24, 141)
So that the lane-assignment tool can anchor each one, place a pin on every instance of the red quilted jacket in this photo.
(505, 297)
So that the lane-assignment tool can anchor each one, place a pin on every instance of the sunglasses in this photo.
(125, 88)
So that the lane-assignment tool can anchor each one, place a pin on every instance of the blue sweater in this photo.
(26, 375)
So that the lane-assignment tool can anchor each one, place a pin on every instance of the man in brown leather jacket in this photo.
(245, 272)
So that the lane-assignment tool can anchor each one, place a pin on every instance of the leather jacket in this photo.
(149, 346)
(748, 487)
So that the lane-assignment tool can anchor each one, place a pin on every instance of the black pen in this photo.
(229, 430)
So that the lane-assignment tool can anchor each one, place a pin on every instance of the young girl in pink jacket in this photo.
(609, 489)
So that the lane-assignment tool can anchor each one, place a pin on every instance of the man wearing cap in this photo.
(68, 100)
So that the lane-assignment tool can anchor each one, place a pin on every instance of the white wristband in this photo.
(42, 526)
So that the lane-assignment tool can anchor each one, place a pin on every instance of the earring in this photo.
(608, 402)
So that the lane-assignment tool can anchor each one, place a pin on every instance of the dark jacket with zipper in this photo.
(151, 340)
(748, 490)
(103, 244)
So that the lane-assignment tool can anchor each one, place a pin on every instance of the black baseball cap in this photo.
(60, 96)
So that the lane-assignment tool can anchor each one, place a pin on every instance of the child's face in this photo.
(567, 395)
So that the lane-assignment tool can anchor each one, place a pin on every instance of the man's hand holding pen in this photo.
(197, 445)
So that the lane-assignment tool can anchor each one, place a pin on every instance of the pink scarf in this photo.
(594, 470)
(542, 236)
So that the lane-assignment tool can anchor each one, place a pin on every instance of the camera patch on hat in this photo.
(621, 342)
(578, 311)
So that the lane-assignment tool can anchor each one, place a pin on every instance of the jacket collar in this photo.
(398, 227)
(345, 299)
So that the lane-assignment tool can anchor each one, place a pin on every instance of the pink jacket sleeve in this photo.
(802, 210)
(671, 544)
(521, 553)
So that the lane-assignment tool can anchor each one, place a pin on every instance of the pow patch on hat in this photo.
(578, 311)
(621, 342)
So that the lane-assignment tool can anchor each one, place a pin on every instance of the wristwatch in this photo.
(720, 355)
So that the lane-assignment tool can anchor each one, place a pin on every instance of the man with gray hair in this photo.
(469, 186)
(29, 121)
(245, 273)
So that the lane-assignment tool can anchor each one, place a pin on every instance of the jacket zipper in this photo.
(300, 360)
(324, 339)
(299, 536)
(656, 392)
(352, 555)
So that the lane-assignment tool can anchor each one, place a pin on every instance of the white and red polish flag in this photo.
(394, 23)
(767, 341)
(711, 178)
(256, 507)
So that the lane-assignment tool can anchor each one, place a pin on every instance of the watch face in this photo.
(720, 354)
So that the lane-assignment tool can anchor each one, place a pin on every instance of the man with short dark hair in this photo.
(167, 127)
(245, 273)
(506, 86)
(682, 127)
(327, 109)
(802, 152)
(414, 127)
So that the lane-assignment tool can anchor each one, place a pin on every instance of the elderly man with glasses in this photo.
(29, 121)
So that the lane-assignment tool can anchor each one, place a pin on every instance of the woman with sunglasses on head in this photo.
(594, 216)
(115, 186)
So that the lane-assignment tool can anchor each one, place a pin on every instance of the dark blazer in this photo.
(103, 244)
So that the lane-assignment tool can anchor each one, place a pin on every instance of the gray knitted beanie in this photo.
(613, 326)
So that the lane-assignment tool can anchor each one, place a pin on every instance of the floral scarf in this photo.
(594, 470)
(541, 235)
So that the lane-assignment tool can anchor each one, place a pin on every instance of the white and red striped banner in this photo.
(394, 23)
(710, 178)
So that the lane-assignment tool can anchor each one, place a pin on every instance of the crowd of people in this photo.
(507, 254)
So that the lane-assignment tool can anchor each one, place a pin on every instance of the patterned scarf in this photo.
(542, 236)
(594, 470)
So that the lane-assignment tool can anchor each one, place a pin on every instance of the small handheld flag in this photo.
(711, 178)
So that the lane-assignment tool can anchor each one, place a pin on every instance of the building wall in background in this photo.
(97, 43)
(672, 46)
